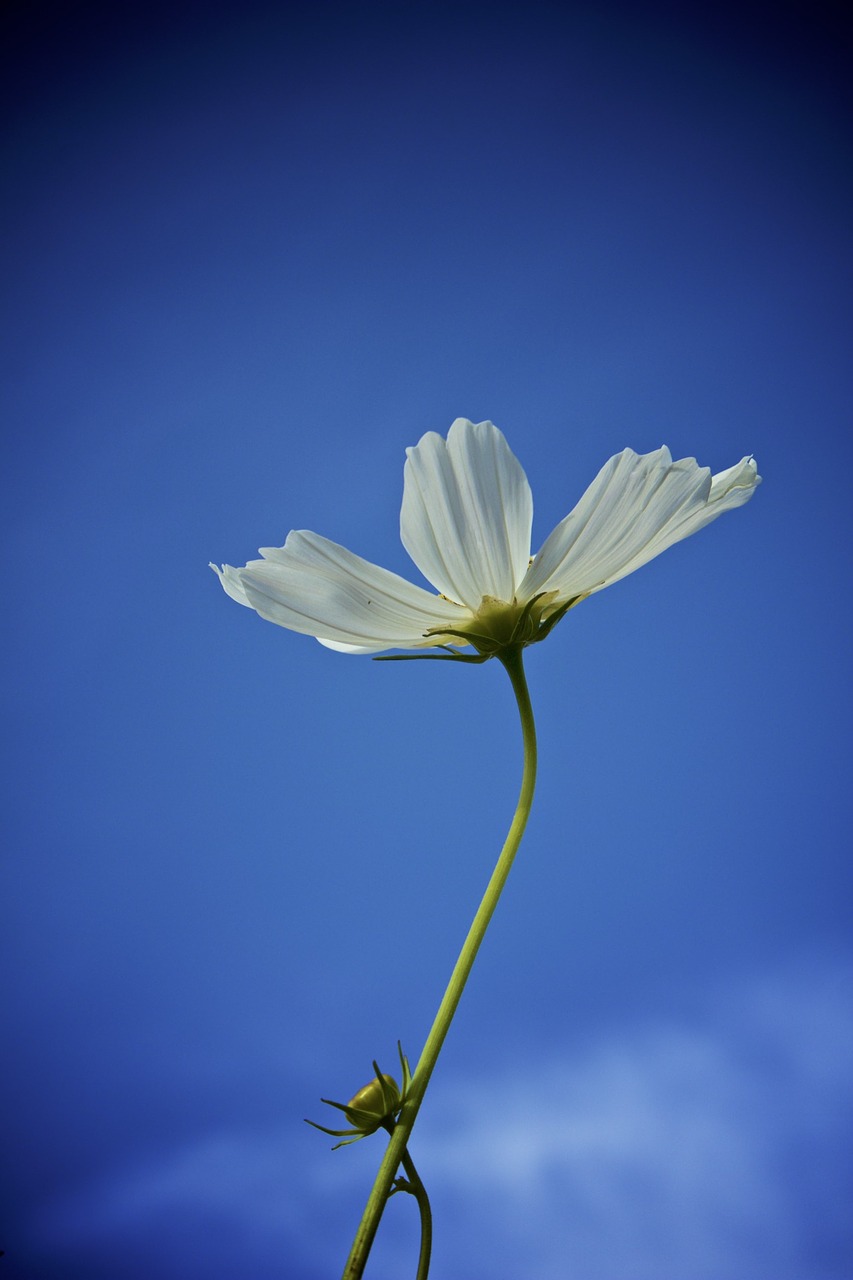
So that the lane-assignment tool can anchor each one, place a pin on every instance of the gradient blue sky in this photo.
(250, 257)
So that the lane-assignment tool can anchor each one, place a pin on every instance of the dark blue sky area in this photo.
(250, 254)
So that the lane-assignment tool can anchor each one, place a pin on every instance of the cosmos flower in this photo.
(466, 522)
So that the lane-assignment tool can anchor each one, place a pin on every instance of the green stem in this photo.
(396, 1150)
(416, 1188)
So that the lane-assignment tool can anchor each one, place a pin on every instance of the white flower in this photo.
(466, 521)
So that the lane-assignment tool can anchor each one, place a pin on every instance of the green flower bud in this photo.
(375, 1106)
(378, 1100)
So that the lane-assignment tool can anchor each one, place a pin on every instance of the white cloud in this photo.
(686, 1152)
(711, 1151)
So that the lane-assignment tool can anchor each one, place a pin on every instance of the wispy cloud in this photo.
(709, 1150)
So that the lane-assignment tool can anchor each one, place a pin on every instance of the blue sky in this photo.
(250, 257)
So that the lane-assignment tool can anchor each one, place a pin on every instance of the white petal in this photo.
(314, 586)
(637, 506)
(467, 512)
(344, 648)
(735, 486)
(231, 584)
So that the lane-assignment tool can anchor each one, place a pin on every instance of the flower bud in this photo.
(376, 1105)
(377, 1101)
(379, 1096)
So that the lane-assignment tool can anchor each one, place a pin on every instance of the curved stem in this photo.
(396, 1150)
(416, 1188)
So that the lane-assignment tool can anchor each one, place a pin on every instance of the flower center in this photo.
(501, 624)
(508, 622)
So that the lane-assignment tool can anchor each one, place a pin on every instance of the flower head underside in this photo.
(466, 522)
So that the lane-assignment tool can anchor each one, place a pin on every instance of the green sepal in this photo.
(406, 1073)
(436, 657)
(525, 630)
(548, 625)
(337, 1133)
